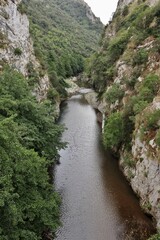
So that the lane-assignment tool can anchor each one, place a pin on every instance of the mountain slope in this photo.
(64, 32)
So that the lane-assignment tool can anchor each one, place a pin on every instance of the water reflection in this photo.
(97, 203)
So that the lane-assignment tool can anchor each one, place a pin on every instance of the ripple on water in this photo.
(97, 202)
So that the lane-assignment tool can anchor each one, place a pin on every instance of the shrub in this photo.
(139, 106)
(152, 120)
(125, 11)
(17, 51)
(22, 8)
(118, 45)
(145, 92)
(128, 160)
(113, 131)
(114, 93)
(155, 237)
(130, 82)
(151, 82)
(140, 57)
(53, 95)
(33, 76)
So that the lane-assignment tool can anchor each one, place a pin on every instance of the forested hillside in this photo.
(63, 32)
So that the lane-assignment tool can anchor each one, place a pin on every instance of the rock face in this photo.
(16, 48)
(130, 63)
(123, 3)
(144, 175)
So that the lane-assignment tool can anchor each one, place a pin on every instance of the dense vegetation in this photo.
(132, 25)
(29, 144)
(63, 33)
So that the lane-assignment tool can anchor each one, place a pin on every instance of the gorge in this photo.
(41, 44)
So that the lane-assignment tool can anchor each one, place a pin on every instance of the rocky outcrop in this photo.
(123, 3)
(16, 47)
(129, 80)
(145, 175)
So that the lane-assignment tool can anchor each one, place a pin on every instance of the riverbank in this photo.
(101, 107)
(97, 202)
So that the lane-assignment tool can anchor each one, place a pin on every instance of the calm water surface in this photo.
(97, 202)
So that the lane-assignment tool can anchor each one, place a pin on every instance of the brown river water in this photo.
(97, 201)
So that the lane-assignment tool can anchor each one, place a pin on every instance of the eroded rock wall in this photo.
(16, 47)
(127, 90)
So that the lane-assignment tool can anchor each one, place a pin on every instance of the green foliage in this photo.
(113, 131)
(155, 237)
(132, 25)
(128, 160)
(29, 143)
(131, 82)
(149, 88)
(22, 8)
(139, 105)
(140, 57)
(33, 76)
(152, 120)
(145, 92)
(125, 10)
(147, 206)
(27, 202)
(53, 95)
(114, 93)
(117, 45)
(17, 51)
(63, 35)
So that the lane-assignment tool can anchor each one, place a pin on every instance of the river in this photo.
(97, 201)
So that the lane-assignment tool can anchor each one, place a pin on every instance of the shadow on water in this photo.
(98, 203)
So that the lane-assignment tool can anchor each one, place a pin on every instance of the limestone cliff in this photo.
(16, 47)
(126, 73)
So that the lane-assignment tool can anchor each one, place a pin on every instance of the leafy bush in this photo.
(22, 8)
(114, 93)
(33, 76)
(113, 131)
(128, 160)
(53, 95)
(145, 92)
(151, 82)
(130, 82)
(139, 105)
(17, 51)
(140, 57)
(125, 10)
(152, 120)
(118, 45)
(155, 237)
